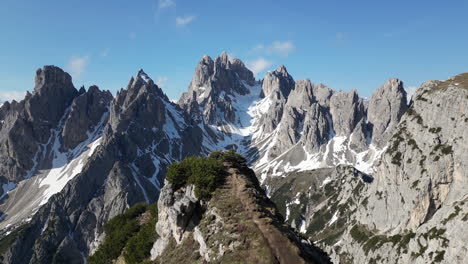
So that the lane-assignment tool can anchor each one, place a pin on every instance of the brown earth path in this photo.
(282, 248)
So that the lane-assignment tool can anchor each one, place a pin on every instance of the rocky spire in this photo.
(346, 109)
(278, 80)
(142, 101)
(214, 85)
(386, 106)
(87, 112)
(53, 92)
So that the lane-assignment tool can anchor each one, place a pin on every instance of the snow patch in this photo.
(66, 165)
(325, 182)
(334, 218)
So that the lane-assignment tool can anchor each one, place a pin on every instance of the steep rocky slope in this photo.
(237, 223)
(414, 207)
(47, 138)
(141, 132)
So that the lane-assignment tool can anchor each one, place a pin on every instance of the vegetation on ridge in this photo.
(131, 233)
(204, 173)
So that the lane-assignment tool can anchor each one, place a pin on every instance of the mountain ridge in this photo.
(282, 126)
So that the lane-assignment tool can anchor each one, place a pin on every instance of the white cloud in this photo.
(161, 81)
(11, 95)
(410, 91)
(77, 66)
(182, 21)
(258, 65)
(280, 48)
(166, 3)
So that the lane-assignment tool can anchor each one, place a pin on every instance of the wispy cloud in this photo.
(166, 3)
(77, 66)
(182, 21)
(258, 65)
(11, 95)
(161, 81)
(280, 48)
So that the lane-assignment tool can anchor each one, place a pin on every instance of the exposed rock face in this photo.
(279, 82)
(319, 128)
(86, 113)
(239, 222)
(123, 163)
(55, 84)
(211, 89)
(32, 119)
(346, 110)
(414, 209)
(276, 88)
(386, 106)
(178, 214)
(281, 125)
(425, 158)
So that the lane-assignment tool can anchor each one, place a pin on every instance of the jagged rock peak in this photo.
(282, 69)
(223, 58)
(278, 80)
(142, 83)
(52, 77)
(347, 110)
(142, 74)
(393, 85)
(142, 103)
(88, 112)
(386, 106)
(206, 58)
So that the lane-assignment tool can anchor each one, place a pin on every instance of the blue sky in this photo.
(344, 44)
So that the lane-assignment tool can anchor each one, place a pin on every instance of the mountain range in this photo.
(377, 180)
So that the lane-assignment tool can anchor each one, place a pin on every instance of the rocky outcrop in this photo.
(214, 84)
(425, 158)
(346, 110)
(239, 222)
(86, 113)
(178, 214)
(386, 106)
(33, 118)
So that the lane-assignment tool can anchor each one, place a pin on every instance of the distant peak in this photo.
(224, 54)
(142, 74)
(282, 69)
(393, 85)
(206, 59)
(223, 58)
(52, 75)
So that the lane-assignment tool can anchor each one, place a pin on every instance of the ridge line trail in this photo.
(282, 248)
